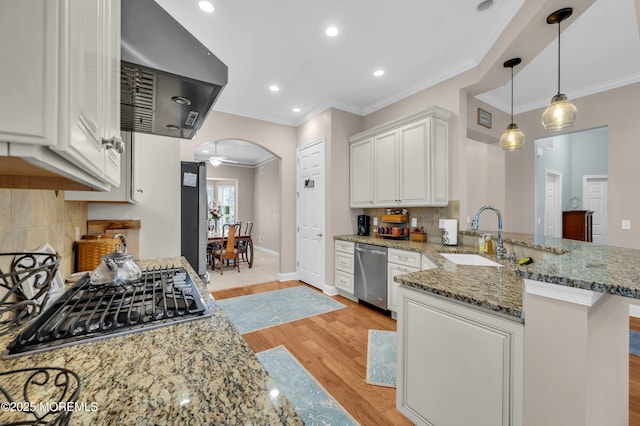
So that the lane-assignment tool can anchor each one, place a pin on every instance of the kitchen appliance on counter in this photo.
(364, 223)
(370, 274)
(449, 231)
(88, 312)
(116, 267)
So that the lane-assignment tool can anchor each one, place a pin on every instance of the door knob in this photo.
(319, 235)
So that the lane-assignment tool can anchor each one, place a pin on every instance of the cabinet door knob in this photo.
(114, 143)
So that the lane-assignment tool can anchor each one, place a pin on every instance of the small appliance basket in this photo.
(90, 249)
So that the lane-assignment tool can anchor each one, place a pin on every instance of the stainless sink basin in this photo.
(469, 259)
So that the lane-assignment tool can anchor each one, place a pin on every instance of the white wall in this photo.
(485, 185)
(623, 153)
(266, 184)
(159, 206)
(277, 138)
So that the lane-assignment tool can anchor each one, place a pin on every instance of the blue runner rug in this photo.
(634, 342)
(311, 401)
(263, 310)
(381, 358)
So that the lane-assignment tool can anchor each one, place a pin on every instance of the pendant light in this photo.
(561, 113)
(512, 138)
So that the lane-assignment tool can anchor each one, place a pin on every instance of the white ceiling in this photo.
(599, 51)
(418, 43)
(242, 152)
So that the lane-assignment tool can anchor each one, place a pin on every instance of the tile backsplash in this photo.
(32, 218)
(425, 216)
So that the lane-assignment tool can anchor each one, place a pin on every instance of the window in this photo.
(223, 191)
(227, 200)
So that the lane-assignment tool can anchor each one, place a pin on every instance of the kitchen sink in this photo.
(469, 259)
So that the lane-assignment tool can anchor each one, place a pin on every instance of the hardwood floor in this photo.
(634, 380)
(333, 348)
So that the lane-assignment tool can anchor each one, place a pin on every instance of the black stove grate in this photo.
(87, 312)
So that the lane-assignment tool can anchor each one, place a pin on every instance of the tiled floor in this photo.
(265, 269)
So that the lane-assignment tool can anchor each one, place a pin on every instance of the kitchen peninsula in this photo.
(197, 372)
(572, 304)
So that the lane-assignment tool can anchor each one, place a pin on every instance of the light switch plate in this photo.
(626, 224)
(375, 221)
(414, 221)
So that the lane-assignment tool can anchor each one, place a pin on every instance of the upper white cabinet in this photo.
(409, 162)
(361, 172)
(60, 104)
(130, 190)
(386, 169)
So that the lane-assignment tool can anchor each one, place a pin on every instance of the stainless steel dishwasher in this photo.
(370, 274)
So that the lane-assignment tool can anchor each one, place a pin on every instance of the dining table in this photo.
(216, 236)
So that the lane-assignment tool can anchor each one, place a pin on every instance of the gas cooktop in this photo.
(89, 312)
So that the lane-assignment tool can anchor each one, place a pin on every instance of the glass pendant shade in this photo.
(512, 139)
(560, 114)
(214, 161)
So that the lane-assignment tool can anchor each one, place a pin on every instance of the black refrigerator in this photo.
(193, 213)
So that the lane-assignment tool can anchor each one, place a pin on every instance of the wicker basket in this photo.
(90, 251)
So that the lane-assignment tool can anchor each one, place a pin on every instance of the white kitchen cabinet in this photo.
(410, 167)
(386, 169)
(61, 92)
(344, 259)
(129, 190)
(361, 173)
(457, 365)
(402, 262)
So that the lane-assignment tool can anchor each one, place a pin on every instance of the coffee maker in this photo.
(363, 224)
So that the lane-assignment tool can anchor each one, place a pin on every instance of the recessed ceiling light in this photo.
(206, 6)
(378, 73)
(274, 88)
(296, 110)
(332, 31)
(172, 127)
(484, 5)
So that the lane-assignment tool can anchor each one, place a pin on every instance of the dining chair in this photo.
(244, 243)
(227, 249)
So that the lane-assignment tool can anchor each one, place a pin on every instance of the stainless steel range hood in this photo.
(169, 80)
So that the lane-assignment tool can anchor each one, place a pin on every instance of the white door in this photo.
(595, 191)
(311, 207)
(553, 204)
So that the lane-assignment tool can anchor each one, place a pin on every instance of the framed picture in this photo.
(484, 118)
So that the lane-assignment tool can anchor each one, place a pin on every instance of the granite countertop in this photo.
(497, 290)
(578, 264)
(196, 372)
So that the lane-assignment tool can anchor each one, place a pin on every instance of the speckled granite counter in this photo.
(197, 372)
(595, 267)
(497, 290)
(571, 263)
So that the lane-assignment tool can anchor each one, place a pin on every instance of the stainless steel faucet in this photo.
(500, 250)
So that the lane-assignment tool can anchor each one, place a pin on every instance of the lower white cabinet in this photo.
(399, 262)
(457, 365)
(344, 265)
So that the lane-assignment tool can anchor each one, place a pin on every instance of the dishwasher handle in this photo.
(378, 252)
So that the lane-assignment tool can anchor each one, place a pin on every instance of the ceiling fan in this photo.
(215, 160)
